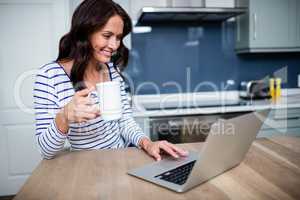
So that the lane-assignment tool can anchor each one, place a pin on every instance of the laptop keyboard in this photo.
(178, 175)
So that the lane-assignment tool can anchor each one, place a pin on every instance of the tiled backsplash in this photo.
(200, 58)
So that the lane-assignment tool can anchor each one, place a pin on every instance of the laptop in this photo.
(225, 147)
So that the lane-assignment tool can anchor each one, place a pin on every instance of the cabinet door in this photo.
(281, 122)
(29, 36)
(297, 23)
(220, 3)
(270, 23)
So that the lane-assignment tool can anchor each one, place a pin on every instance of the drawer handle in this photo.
(287, 118)
(254, 26)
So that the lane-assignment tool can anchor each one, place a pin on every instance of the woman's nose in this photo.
(113, 43)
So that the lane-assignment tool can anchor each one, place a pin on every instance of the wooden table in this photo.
(271, 170)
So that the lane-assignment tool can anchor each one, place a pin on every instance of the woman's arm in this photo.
(133, 133)
(52, 121)
(130, 130)
(49, 138)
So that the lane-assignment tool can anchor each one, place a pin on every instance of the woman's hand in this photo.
(154, 148)
(81, 108)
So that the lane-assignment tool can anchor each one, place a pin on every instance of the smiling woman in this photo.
(64, 93)
(106, 41)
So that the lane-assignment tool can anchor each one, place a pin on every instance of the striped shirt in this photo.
(52, 91)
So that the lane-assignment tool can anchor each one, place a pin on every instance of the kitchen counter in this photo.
(270, 170)
(290, 99)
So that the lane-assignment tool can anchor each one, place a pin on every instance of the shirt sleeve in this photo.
(130, 130)
(46, 105)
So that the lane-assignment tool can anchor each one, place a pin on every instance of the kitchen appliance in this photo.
(186, 3)
(255, 89)
(192, 11)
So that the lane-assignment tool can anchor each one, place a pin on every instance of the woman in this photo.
(65, 95)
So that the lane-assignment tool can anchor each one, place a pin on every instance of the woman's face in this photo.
(107, 40)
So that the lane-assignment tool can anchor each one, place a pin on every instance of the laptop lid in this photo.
(226, 146)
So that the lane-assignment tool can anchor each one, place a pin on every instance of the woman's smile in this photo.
(105, 52)
(108, 39)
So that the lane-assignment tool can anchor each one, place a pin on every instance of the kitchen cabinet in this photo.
(298, 23)
(185, 3)
(281, 122)
(269, 26)
(137, 5)
(26, 22)
(220, 3)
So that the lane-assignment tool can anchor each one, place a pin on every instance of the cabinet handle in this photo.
(238, 29)
(254, 26)
(287, 118)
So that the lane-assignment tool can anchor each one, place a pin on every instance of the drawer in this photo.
(282, 119)
(279, 132)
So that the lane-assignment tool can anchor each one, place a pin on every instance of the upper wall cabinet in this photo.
(298, 23)
(269, 26)
(219, 3)
(137, 5)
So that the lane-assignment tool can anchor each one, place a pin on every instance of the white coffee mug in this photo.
(109, 100)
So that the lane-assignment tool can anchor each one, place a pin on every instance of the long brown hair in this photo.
(89, 17)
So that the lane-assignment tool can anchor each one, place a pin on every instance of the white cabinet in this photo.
(136, 5)
(269, 26)
(186, 3)
(32, 32)
(297, 23)
(220, 3)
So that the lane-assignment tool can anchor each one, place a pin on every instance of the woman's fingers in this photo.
(85, 92)
(156, 155)
(84, 101)
(82, 97)
(167, 149)
(84, 116)
(86, 110)
(153, 149)
(82, 107)
(180, 151)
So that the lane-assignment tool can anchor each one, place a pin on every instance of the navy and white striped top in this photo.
(52, 91)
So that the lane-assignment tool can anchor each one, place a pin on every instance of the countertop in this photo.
(290, 99)
(270, 170)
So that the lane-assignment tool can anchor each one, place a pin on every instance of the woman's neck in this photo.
(94, 73)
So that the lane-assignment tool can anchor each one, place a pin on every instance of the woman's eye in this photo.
(106, 36)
